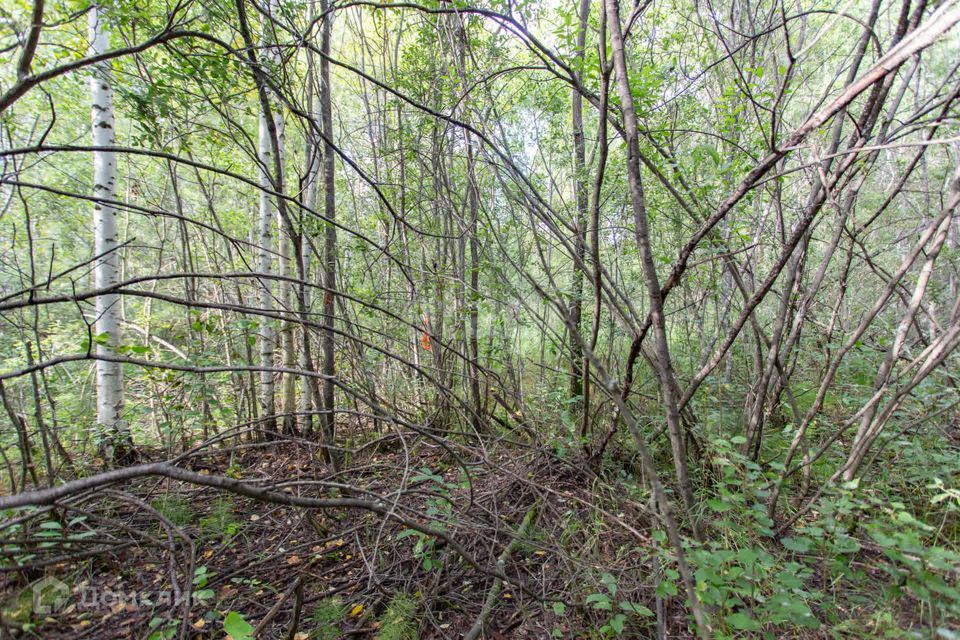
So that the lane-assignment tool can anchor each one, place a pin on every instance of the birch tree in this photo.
(268, 403)
(115, 441)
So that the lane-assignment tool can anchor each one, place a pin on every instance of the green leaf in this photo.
(559, 608)
(719, 505)
(236, 627)
(638, 609)
(618, 623)
(666, 589)
(742, 621)
(600, 601)
(610, 583)
(799, 544)
(845, 544)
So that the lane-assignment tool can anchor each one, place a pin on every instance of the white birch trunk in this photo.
(265, 266)
(106, 238)
(268, 403)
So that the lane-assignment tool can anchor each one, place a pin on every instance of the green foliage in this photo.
(174, 508)
(221, 523)
(236, 627)
(750, 588)
(440, 510)
(327, 618)
(399, 621)
(163, 629)
(616, 610)
(423, 548)
(201, 576)
(738, 573)
(917, 559)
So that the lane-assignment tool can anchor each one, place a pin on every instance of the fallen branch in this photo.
(165, 469)
(491, 600)
(296, 587)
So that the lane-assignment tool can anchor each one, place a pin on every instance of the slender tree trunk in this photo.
(115, 441)
(596, 275)
(870, 426)
(23, 436)
(308, 384)
(469, 250)
(473, 296)
(288, 388)
(328, 417)
(638, 200)
(581, 196)
(267, 397)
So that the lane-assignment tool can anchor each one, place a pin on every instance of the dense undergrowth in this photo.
(479, 318)
(871, 558)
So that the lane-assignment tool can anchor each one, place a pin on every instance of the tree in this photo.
(268, 184)
(676, 276)
(662, 361)
(578, 366)
(115, 439)
(328, 343)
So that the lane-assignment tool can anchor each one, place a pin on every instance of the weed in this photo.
(326, 619)
(398, 622)
(221, 523)
(174, 508)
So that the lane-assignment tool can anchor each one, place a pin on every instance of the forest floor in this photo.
(304, 575)
(250, 557)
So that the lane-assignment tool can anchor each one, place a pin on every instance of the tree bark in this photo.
(662, 361)
(267, 397)
(115, 440)
(577, 364)
(328, 415)
(309, 391)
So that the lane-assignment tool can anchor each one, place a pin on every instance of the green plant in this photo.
(398, 622)
(221, 523)
(327, 617)
(917, 564)
(236, 627)
(200, 578)
(440, 509)
(163, 629)
(423, 548)
(618, 609)
(174, 508)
